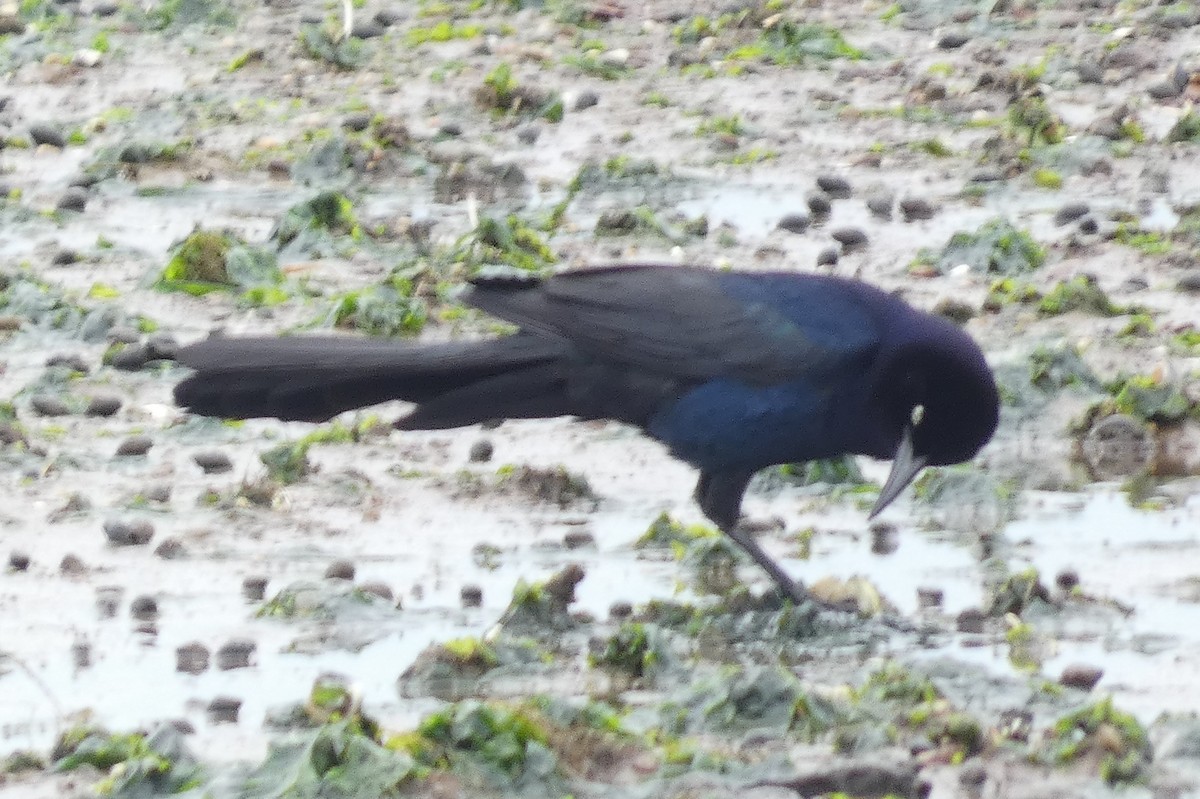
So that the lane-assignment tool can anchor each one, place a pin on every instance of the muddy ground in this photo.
(1026, 625)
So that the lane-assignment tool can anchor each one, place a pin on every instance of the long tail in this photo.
(314, 378)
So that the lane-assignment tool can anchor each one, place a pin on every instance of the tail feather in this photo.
(314, 378)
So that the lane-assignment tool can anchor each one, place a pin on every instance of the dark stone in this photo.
(971, 620)
(367, 30)
(952, 40)
(44, 405)
(377, 588)
(481, 451)
(916, 208)
(357, 122)
(340, 570)
(828, 257)
(586, 99)
(1070, 212)
(235, 654)
(170, 549)
(471, 596)
(64, 258)
(254, 588)
(1189, 282)
(794, 223)
(851, 238)
(72, 565)
(18, 561)
(47, 134)
(819, 204)
(103, 406)
(144, 608)
(74, 363)
(126, 533)
(134, 446)
(192, 658)
(930, 598)
(836, 186)
(213, 462)
(224, 710)
(579, 539)
(880, 205)
(73, 200)
(1081, 676)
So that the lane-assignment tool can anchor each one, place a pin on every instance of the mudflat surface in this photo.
(456, 135)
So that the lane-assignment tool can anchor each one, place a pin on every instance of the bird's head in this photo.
(937, 400)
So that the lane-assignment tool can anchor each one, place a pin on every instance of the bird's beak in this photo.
(905, 466)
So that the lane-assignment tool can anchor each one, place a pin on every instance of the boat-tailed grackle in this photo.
(732, 371)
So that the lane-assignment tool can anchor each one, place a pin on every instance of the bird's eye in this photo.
(918, 413)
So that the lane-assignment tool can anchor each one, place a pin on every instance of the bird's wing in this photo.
(692, 323)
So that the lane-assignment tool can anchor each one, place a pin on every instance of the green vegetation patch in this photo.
(1080, 293)
(211, 260)
(997, 247)
(789, 43)
(137, 765)
(1113, 739)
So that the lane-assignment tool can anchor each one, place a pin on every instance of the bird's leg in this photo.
(719, 495)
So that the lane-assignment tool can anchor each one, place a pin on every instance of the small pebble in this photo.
(108, 600)
(73, 200)
(72, 565)
(75, 363)
(851, 238)
(254, 588)
(144, 608)
(579, 539)
(223, 710)
(1070, 212)
(471, 596)
(376, 588)
(134, 446)
(235, 654)
(170, 549)
(620, 610)
(1189, 282)
(794, 223)
(64, 258)
(45, 405)
(213, 462)
(1081, 676)
(158, 493)
(81, 654)
(47, 134)
(367, 30)
(357, 122)
(129, 359)
(481, 451)
(340, 570)
(971, 620)
(528, 134)
(1089, 226)
(914, 209)
(133, 532)
(836, 186)
(819, 204)
(106, 405)
(885, 538)
(972, 774)
(880, 205)
(1067, 580)
(18, 561)
(161, 347)
(388, 17)
(930, 598)
(586, 99)
(827, 257)
(952, 40)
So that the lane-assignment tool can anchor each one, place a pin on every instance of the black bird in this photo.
(732, 371)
